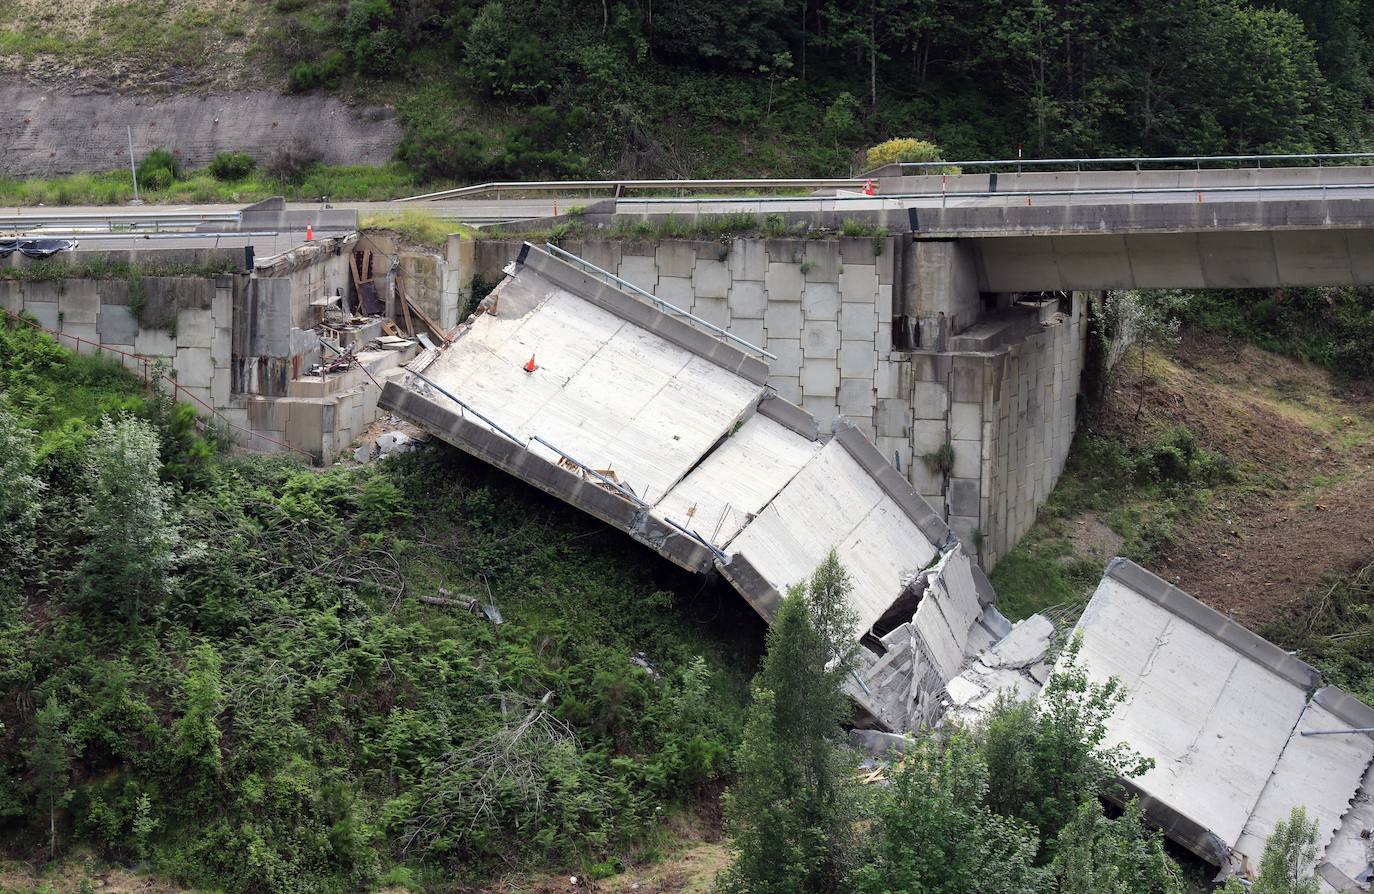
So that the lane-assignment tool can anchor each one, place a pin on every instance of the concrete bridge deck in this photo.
(672, 436)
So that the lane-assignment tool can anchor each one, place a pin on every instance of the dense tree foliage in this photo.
(1012, 807)
(714, 87)
(227, 673)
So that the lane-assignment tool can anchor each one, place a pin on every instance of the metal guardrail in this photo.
(657, 302)
(623, 489)
(468, 408)
(1137, 161)
(465, 408)
(620, 185)
(1012, 193)
(619, 487)
(131, 219)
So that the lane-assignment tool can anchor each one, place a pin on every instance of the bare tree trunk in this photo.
(1140, 389)
(872, 56)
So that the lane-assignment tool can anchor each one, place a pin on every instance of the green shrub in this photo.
(1333, 328)
(1175, 457)
(158, 160)
(292, 161)
(232, 166)
(315, 74)
(153, 179)
(906, 149)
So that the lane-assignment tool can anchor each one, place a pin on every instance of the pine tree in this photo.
(1289, 855)
(791, 813)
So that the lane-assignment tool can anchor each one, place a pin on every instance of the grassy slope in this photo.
(1268, 546)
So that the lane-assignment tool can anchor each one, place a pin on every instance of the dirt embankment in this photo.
(1305, 446)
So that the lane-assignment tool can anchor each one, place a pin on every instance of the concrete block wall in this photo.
(233, 342)
(197, 313)
(1008, 413)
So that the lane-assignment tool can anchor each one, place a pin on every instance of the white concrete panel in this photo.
(834, 503)
(737, 480)
(1318, 773)
(610, 393)
(1350, 851)
(1213, 720)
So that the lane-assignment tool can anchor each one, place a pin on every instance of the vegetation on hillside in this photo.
(1233, 471)
(222, 667)
(313, 182)
(1333, 328)
(1013, 806)
(526, 88)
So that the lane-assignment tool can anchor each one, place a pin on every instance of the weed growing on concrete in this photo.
(940, 461)
(106, 267)
(416, 227)
(853, 228)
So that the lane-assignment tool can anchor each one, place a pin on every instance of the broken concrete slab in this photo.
(1014, 667)
(1222, 713)
(671, 436)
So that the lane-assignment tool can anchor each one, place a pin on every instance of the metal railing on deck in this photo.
(619, 487)
(155, 221)
(1137, 161)
(465, 408)
(879, 200)
(657, 302)
(617, 187)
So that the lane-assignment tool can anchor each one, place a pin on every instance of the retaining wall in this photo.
(233, 341)
(1004, 401)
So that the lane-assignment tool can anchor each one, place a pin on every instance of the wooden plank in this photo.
(357, 286)
(433, 326)
(405, 310)
(353, 268)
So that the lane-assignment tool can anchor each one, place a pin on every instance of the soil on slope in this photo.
(1305, 447)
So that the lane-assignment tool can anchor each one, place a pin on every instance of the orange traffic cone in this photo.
(868, 187)
(309, 233)
(530, 367)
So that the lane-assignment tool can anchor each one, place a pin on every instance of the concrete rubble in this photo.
(953, 621)
(1014, 668)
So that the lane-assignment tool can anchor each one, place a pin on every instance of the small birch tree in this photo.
(129, 521)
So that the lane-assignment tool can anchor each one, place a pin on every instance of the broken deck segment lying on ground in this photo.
(571, 382)
(1240, 731)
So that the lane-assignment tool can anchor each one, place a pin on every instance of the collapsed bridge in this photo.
(663, 426)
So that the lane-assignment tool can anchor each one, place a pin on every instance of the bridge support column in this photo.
(939, 292)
